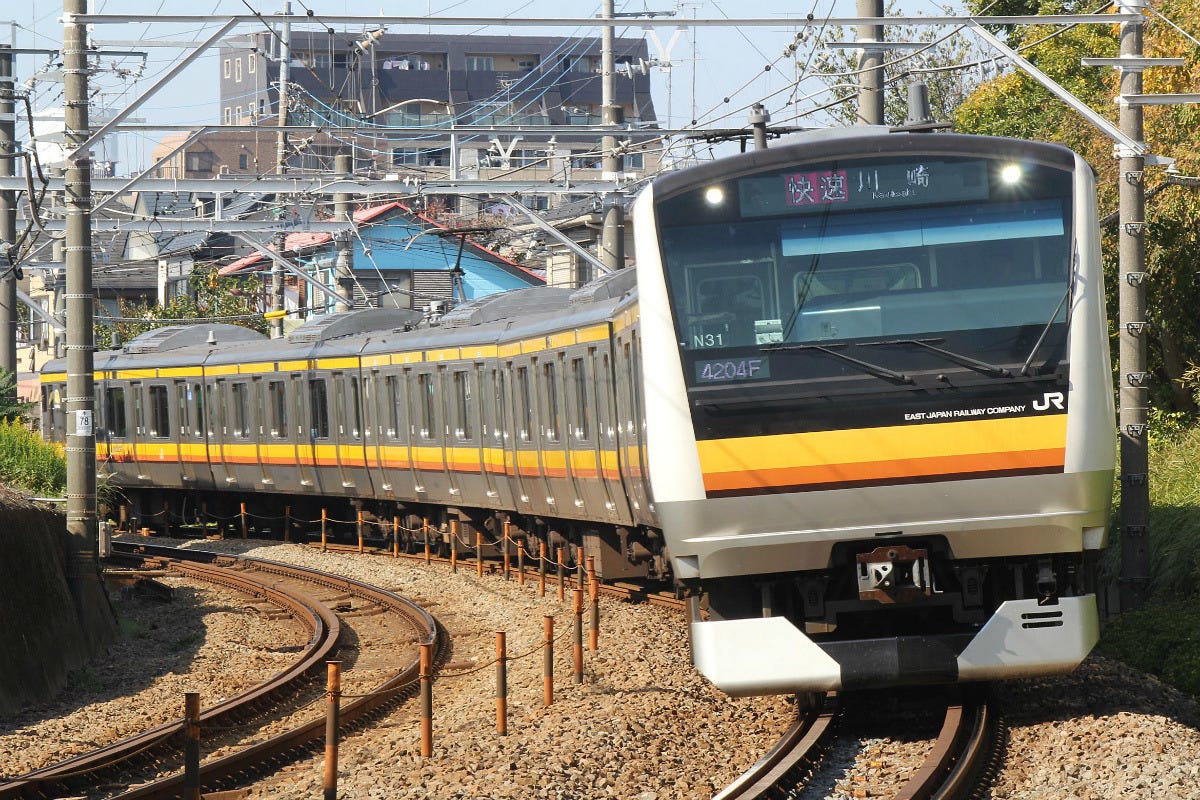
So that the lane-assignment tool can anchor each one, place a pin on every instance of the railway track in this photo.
(275, 721)
(952, 769)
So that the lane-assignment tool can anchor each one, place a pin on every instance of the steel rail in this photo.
(798, 750)
(958, 757)
(226, 771)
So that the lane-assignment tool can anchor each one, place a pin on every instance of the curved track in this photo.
(956, 762)
(152, 760)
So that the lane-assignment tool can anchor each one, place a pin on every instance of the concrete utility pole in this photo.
(343, 208)
(8, 219)
(1134, 392)
(870, 64)
(612, 235)
(759, 117)
(83, 574)
(285, 58)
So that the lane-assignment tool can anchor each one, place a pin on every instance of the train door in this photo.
(429, 462)
(118, 432)
(466, 457)
(527, 465)
(298, 414)
(491, 452)
(137, 425)
(552, 449)
(606, 436)
(393, 438)
(577, 431)
(222, 451)
(260, 432)
(381, 430)
(446, 399)
(348, 427)
(189, 430)
(629, 409)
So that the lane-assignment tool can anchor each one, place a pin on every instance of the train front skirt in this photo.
(770, 655)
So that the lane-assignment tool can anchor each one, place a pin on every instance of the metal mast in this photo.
(612, 235)
(870, 64)
(8, 220)
(83, 573)
(1134, 393)
(343, 207)
(285, 58)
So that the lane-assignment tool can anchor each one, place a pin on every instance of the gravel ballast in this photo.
(643, 724)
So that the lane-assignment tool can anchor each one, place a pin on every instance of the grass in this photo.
(29, 463)
(1163, 637)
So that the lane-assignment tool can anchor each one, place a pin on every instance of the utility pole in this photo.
(612, 234)
(1133, 391)
(870, 63)
(285, 59)
(83, 574)
(8, 220)
(759, 117)
(343, 166)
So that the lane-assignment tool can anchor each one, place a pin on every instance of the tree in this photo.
(233, 299)
(1014, 105)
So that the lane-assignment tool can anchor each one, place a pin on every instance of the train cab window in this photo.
(524, 410)
(277, 405)
(355, 408)
(581, 425)
(425, 398)
(241, 419)
(160, 413)
(462, 406)
(114, 411)
(550, 388)
(318, 408)
(392, 391)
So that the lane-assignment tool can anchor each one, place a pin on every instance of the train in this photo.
(855, 400)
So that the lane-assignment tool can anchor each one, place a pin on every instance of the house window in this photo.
(227, 115)
(237, 114)
(480, 64)
(635, 161)
(227, 68)
(237, 70)
(251, 62)
(243, 161)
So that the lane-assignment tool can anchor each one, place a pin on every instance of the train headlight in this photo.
(714, 195)
(1011, 174)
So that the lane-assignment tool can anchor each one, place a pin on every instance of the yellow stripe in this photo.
(262, 366)
(482, 351)
(509, 350)
(408, 358)
(349, 362)
(231, 369)
(377, 361)
(565, 339)
(445, 354)
(298, 365)
(533, 345)
(596, 333)
(53, 377)
(180, 372)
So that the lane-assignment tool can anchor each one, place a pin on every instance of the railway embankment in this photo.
(44, 633)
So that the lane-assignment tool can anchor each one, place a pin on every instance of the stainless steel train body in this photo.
(517, 407)
(879, 407)
(867, 372)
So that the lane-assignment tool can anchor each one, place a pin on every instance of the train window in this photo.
(582, 428)
(241, 420)
(604, 390)
(393, 409)
(550, 386)
(462, 405)
(425, 395)
(277, 403)
(139, 414)
(525, 403)
(160, 416)
(355, 408)
(487, 403)
(216, 411)
(500, 431)
(196, 393)
(318, 408)
(114, 411)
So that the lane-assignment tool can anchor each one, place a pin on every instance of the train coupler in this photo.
(894, 574)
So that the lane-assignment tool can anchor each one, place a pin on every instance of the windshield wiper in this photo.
(867, 366)
(1045, 330)
(958, 358)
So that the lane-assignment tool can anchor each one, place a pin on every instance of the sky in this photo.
(715, 73)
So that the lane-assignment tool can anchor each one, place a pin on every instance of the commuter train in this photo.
(856, 399)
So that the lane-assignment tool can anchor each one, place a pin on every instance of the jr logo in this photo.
(1049, 399)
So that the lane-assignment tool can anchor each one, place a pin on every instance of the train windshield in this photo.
(898, 263)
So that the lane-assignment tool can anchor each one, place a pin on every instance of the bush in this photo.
(28, 462)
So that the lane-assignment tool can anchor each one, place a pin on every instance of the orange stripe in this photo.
(883, 470)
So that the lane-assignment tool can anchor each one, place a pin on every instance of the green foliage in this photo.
(10, 407)
(213, 295)
(1163, 639)
(28, 462)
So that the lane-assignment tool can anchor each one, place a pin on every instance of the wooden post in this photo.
(124, 518)
(594, 597)
(191, 746)
(479, 553)
(426, 700)
(425, 535)
(548, 660)
(541, 569)
(562, 583)
(395, 536)
(333, 690)
(359, 526)
(504, 549)
(577, 634)
(521, 563)
(454, 546)
(324, 528)
(501, 685)
(242, 514)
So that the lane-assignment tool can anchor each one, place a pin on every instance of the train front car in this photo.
(879, 408)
